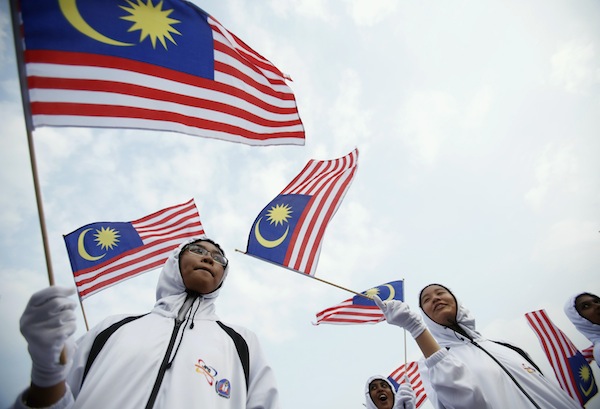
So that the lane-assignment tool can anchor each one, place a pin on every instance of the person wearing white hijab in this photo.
(380, 393)
(463, 370)
(583, 309)
(177, 355)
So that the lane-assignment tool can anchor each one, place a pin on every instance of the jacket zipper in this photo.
(164, 365)
(508, 373)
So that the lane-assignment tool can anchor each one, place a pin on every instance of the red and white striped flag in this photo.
(162, 65)
(588, 353)
(411, 369)
(361, 309)
(290, 229)
(103, 254)
(570, 367)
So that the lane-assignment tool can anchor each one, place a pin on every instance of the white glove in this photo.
(47, 324)
(407, 398)
(398, 313)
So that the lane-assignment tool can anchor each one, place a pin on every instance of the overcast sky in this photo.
(478, 126)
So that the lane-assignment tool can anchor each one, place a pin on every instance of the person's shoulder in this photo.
(248, 334)
(110, 320)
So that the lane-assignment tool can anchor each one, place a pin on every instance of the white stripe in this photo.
(101, 122)
(149, 81)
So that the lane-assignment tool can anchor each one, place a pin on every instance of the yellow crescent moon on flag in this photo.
(269, 243)
(81, 248)
(73, 16)
(392, 292)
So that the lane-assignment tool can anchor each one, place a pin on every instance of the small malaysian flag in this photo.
(360, 309)
(570, 367)
(289, 230)
(588, 353)
(411, 370)
(163, 65)
(103, 254)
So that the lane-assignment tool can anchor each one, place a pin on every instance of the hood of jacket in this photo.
(586, 327)
(446, 336)
(368, 401)
(171, 292)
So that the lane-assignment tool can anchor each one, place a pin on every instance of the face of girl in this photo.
(439, 304)
(199, 269)
(381, 394)
(588, 306)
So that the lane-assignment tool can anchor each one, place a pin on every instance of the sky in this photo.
(478, 127)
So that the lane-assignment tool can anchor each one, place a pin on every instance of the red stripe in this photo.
(111, 62)
(130, 273)
(113, 265)
(248, 54)
(109, 111)
(553, 350)
(187, 206)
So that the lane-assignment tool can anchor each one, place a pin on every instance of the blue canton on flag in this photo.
(164, 65)
(583, 377)
(95, 243)
(272, 230)
(290, 229)
(103, 254)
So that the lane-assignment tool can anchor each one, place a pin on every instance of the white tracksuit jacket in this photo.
(462, 376)
(206, 371)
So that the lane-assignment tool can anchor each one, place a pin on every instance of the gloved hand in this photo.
(407, 398)
(398, 313)
(47, 324)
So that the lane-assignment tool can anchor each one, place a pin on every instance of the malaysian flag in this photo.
(290, 229)
(588, 353)
(570, 367)
(163, 65)
(411, 370)
(360, 309)
(105, 253)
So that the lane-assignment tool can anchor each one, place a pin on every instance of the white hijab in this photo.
(171, 291)
(586, 327)
(368, 401)
(446, 336)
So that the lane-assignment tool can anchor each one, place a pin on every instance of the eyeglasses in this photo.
(218, 257)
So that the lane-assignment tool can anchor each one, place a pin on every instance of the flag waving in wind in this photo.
(411, 370)
(362, 310)
(154, 64)
(290, 229)
(105, 253)
(570, 367)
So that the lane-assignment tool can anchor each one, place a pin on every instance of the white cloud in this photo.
(575, 67)
(569, 246)
(425, 123)
(478, 108)
(556, 172)
(350, 117)
(368, 12)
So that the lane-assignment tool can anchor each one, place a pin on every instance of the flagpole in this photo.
(29, 126)
(306, 275)
(404, 292)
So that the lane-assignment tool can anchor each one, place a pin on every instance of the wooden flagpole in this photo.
(307, 275)
(29, 129)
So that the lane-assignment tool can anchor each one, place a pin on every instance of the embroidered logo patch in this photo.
(208, 371)
(223, 388)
